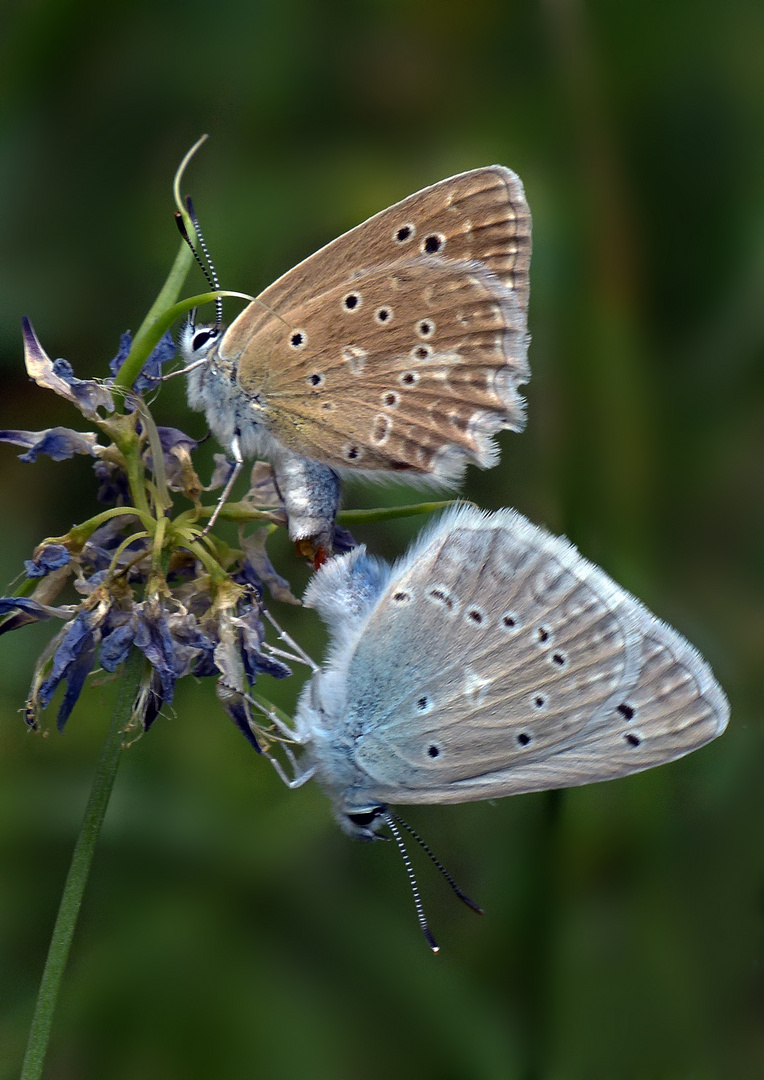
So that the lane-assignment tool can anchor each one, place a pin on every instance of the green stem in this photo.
(153, 326)
(390, 513)
(76, 880)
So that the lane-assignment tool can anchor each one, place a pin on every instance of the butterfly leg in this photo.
(300, 773)
(238, 462)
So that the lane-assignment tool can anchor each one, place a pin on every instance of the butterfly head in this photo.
(198, 343)
(364, 824)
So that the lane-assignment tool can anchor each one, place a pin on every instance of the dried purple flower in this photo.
(87, 394)
(46, 558)
(151, 371)
(58, 443)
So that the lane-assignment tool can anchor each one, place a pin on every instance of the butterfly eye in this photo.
(365, 823)
(204, 337)
(366, 817)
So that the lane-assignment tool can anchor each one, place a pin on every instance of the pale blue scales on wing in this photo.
(492, 659)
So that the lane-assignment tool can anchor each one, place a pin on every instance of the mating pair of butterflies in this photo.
(492, 659)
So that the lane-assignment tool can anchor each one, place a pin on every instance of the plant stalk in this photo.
(79, 871)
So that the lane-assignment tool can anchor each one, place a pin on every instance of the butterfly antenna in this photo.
(431, 855)
(392, 826)
(208, 267)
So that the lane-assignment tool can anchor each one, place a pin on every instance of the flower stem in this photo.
(79, 870)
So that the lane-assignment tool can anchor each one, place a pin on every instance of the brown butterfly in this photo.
(396, 349)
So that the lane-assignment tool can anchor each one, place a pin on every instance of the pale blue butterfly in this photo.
(492, 659)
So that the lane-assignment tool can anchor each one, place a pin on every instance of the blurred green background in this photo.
(230, 929)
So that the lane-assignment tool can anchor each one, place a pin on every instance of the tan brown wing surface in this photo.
(477, 215)
(410, 368)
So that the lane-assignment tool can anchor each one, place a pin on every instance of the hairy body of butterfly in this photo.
(492, 659)
(396, 350)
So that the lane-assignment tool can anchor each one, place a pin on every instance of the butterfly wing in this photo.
(498, 660)
(416, 376)
(400, 345)
(480, 215)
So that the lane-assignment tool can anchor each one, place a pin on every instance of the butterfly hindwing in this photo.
(410, 368)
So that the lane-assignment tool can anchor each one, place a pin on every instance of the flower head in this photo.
(139, 577)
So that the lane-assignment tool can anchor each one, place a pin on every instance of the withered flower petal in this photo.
(73, 660)
(58, 443)
(57, 375)
(155, 641)
(50, 557)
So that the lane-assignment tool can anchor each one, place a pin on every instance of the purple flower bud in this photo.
(221, 473)
(48, 558)
(237, 708)
(88, 394)
(258, 570)
(114, 488)
(176, 452)
(32, 607)
(151, 371)
(251, 638)
(343, 540)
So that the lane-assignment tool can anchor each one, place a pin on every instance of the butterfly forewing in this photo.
(498, 660)
(480, 215)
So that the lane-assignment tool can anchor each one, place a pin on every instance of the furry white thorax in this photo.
(239, 420)
(213, 388)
